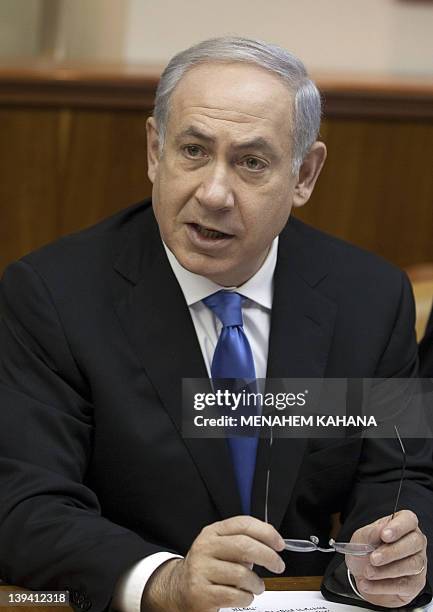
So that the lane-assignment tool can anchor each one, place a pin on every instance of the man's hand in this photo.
(395, 572)
(216, 573)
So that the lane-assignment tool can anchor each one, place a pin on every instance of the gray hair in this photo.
(306, 112)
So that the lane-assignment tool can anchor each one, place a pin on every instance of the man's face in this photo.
(223, 187)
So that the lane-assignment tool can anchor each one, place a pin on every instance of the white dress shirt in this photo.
(256, 311)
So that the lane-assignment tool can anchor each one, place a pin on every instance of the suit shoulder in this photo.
(347, 260)
(93, 246)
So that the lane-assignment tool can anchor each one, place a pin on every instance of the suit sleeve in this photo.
(52, 533)
(375, 488)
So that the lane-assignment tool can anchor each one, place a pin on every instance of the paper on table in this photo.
(296, 601)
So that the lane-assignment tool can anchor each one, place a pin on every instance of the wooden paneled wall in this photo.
(72, 151)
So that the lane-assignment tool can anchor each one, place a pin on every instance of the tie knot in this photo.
(227, 306)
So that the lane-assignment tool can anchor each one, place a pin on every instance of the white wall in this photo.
(370, 35)
(93, 29)
(19, 27)
(350, 35)
(411, 37)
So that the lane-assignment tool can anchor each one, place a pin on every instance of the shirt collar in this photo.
(259, 288)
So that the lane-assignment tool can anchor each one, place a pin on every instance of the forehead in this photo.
(235, 96)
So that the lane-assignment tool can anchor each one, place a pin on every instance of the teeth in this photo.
(207, 233)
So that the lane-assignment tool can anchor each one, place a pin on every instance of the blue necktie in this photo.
(233, 359)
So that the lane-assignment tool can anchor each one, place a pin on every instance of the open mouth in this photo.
(208, 232)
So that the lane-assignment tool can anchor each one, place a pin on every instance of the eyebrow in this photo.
(258, 142)
(195, 133)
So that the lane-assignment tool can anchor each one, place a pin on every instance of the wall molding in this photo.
(132, 87)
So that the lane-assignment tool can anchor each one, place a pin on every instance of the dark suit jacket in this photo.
(426, 350)
(94, 472)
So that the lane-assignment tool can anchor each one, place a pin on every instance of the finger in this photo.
(227, 597)
(244, 549)
(408, 545)
(250, 526)
(403, 522)
(238, 576)
(411, 566)
(370, 534)
(405, 586)
(357, 565)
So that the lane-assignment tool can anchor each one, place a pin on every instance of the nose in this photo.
(215, 190)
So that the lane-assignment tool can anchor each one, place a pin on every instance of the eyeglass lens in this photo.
(346, 548)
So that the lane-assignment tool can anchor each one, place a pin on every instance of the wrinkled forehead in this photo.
(236, 92)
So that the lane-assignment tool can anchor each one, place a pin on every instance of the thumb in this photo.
(370, 534)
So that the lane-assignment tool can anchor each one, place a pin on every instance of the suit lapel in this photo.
(301, 332)
(158, 324)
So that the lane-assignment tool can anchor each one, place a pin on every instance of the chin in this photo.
(202, 265)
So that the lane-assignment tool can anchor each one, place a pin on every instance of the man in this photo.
(426, 350)
(101, 493)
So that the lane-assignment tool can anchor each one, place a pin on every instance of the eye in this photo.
(193, 151)
(254, 164)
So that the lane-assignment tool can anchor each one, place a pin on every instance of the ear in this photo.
(152, 148)
(308, 173)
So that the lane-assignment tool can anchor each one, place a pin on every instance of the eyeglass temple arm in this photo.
(403, 468)
(268, 475)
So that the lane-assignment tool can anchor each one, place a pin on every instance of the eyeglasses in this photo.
(345, 548)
